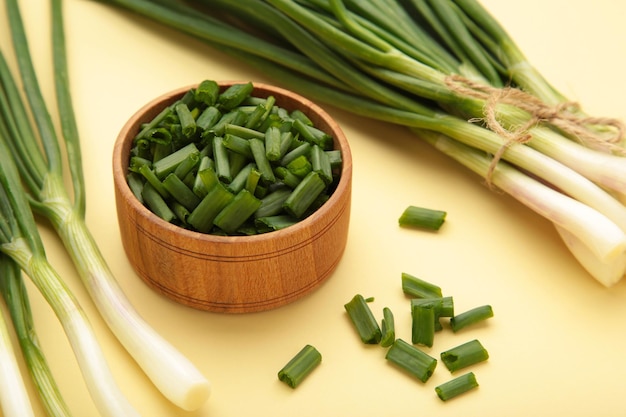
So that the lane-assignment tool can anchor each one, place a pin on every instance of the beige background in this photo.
(557, 342)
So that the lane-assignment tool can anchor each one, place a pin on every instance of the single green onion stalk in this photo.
(14, 400)
(42, 172)
(16, 297)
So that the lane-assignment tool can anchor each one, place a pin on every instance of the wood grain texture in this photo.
(233, 274)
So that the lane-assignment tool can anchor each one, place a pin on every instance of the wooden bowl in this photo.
(233, 274)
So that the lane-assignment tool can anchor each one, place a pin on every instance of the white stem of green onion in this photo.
(169, 370)
(605, 241)
(102, 387)
(568, 179)
(605, 169)
(14, 400)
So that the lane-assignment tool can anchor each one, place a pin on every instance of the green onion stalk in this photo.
(432, 66)
(20, 241)
(14, 291)
(36, 152)
(14, 400)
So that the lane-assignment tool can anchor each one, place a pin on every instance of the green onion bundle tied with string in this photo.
(449, 71)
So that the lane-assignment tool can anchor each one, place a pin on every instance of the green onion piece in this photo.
(198, 186)
(363, 319)
(417, 287)
(286, 140)
(443, 307)
(237, 211)
(263, 164)
(161, 150)
(470, 317)
(187, 165)
(302, 149)
(252, 183)
(168, 164)
(208, 118)
(422, 218)
(181, 212)
(148, 127)
(273, 142)
(456, 386)
(335, 159)
(255, 117)
(187, 121)
(304, 195)
(272, 204)
(313, 135)
(411, 359)
(208, 177)
(207, 92)
(423, 323)
(300, 167)
(236, 161)
(287, 177)
(136, 162)
(321, 164)
(222, 162)
(303, 118)
(152, 179)
(180, 192)
(272, 223)
(135, 183)
(300, 366)
(464, 355)
(239, 182)
(243, 132)
(234, 95)
(231, 117)
(156, 203)
(202, 217)
(388, 328)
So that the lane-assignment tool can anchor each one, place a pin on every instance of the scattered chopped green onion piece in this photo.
(363, 319)
(464, 355)
(456, 386)
(422, 218)
(411, 359)
(388, 328)
(416, 287)
(423, 323)
(300, 366)
(470, 317)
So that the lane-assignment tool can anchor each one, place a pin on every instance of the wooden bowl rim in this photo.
(120, 169)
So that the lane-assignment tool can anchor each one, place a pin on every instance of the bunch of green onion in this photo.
(433, 66)
(31, 182)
